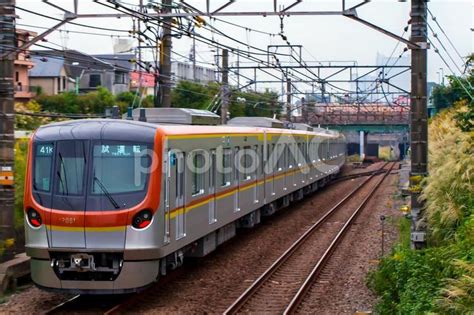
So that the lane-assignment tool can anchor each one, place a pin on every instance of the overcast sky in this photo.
(324, 38)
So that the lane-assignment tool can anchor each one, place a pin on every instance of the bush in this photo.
(21, 154)
(439, 278)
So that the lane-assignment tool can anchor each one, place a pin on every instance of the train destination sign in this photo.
(118, 150)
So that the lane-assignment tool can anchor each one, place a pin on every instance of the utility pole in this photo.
(165, 56)
(7, 118)
(139, 63)
(419, 116)
(225, 86)
(194, 57)
(238, 70)
(288, 99)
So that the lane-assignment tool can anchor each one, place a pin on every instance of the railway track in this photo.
(116, 304)
(282, 287)
(86, 303)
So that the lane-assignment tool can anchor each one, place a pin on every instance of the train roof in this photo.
(111, 129)
(118, 129)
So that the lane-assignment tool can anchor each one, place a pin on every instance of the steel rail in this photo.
(316, 271)
(60, 306)
(253, 288)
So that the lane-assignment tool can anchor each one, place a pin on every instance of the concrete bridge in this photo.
(367, 127)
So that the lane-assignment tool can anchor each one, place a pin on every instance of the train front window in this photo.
(43, 161)
(70, 172)
(119, 168)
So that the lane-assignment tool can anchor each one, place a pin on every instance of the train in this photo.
(113, 204)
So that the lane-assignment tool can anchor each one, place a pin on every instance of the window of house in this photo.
(119, 78)
(94, 80)
(64, 83)
(17, 76)
(198, 174)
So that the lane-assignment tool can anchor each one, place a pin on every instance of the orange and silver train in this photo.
(112, 204)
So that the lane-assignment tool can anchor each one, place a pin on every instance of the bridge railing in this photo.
(353, 114)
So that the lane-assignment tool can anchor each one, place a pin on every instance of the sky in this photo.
(324, 38)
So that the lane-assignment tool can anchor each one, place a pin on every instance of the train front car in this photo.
(91, 196)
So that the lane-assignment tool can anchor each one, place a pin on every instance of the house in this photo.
(144, 81)
(123, 67)
(85, 72)
(50, 74)
(24, 92)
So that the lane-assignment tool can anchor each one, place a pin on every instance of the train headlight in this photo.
(34, 218)
(142, 219)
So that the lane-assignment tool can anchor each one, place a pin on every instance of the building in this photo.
(50, 74)
(122, 63)
(24, 92)
(183, 71)
(143, 80)
(82, 72)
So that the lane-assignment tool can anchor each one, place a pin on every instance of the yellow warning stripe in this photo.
(87, 229)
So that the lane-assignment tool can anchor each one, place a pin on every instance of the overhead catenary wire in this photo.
(446, 50)
(233, 49)
(71, 22)
(450, 69)
(435, 19)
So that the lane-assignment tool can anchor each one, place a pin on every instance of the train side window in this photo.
(43, 164)
(259, 156)
(274, 157)
(280, 154)
(198, 173)
(226, 175)
(246, 163)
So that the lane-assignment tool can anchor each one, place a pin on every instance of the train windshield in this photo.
(82, 175)
(119, 168)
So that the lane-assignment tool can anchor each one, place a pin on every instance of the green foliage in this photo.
(188, 94)
(68, 102)
(458, 92)
(439, 278)
(255, 104)
(25, 122)
(445, 96)
(21, 153)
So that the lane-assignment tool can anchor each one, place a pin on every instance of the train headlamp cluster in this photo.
(34, 218)
(142, 219)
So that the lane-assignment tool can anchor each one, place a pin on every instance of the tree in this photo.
(458, 91)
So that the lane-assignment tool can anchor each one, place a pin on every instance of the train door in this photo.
(273, 159)
(236, 179)
(212, 188)
(69, 192)
(258, 167)
(179, 198)
(169, 160)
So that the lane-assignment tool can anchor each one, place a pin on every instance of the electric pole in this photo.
(7, 118)
(288, 99)
(419, 115)
(225, 86)
(165, 56)
(194, 58)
